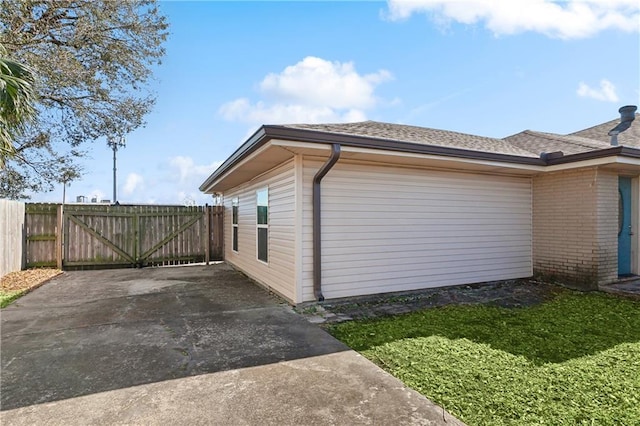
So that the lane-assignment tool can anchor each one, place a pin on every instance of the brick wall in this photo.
(607, 213)
(575, 224)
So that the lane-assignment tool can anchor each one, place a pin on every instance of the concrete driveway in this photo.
(185, 345)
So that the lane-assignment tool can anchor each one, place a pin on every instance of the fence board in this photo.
(12, 236)
(125, 236)
(41, 229)
(216, 232)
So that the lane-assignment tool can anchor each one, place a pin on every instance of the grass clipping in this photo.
(17, 284)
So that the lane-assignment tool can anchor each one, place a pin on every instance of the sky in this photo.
(490, 68)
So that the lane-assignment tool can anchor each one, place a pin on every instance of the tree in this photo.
(66, 176)
(17, 103)
(93, 61)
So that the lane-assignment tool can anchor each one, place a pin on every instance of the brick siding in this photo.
(575, 227)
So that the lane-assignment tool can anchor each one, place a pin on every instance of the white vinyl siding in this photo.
(388, 229)
(279, 273)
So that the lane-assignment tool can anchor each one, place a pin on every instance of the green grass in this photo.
(6, 297)
(572, 360)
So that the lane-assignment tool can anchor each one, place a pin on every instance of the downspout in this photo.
(317, 236)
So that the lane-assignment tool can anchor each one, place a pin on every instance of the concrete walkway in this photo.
(629, 287)
(187, 345)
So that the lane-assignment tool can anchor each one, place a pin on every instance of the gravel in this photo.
(26, 280)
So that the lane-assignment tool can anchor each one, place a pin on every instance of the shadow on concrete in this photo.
(93, 331)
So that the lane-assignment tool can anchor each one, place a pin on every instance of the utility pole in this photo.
(115, 143)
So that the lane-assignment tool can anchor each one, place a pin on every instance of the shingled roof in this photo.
(630, 137)
(538, 142)
(591, 139)
(419, 135)
(521, 148)
(528, 143)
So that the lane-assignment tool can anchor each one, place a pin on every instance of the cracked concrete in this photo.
(188, 345)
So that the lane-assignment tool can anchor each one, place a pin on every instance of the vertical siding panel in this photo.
(299, 222)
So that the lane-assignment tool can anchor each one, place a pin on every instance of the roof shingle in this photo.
(418, 135)
(538, 142)
(630, 137)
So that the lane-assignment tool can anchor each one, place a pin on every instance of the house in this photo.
(316, 211)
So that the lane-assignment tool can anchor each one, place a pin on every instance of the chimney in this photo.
(627, 115)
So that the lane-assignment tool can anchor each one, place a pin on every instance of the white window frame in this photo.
(262, 226)
(235, 232)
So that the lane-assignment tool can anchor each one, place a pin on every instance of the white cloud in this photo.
(133, 182)
(559, 19)
(260, 112)
(178, 184)
(313, 90)
(320, 83)
(192, 198)
(606, 92)
(189, 171)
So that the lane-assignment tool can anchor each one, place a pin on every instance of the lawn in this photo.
(572, 360)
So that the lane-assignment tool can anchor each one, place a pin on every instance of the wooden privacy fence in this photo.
(79, 236)
(11, 236)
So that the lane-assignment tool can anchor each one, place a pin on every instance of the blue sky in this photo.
(491, 68)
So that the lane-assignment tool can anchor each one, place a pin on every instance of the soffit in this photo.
(256, 164)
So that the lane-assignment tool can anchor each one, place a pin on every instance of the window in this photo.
(234, 226)
(262, 223)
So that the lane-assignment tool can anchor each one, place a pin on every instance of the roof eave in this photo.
(254, 142)
(623, 151)
(268, 132)
(304, 135)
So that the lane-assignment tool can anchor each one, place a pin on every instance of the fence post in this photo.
(59, 236)
(207, 232)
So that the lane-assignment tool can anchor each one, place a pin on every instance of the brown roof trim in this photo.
(623, 151)
(254, 142)
(267, 132)
(304, 135)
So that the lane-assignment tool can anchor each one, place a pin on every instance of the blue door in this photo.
(624, 226)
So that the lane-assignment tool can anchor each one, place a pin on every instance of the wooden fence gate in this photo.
(87, 236)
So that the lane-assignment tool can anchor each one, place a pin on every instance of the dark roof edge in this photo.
(304, 135)
(253, 143)
(624, 151)
(268, 132)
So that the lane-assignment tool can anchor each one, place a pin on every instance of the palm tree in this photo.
(17, 103)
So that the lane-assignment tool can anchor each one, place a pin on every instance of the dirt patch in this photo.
(26, 280)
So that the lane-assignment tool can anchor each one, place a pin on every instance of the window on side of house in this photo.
(234, 223)
(262, 224)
